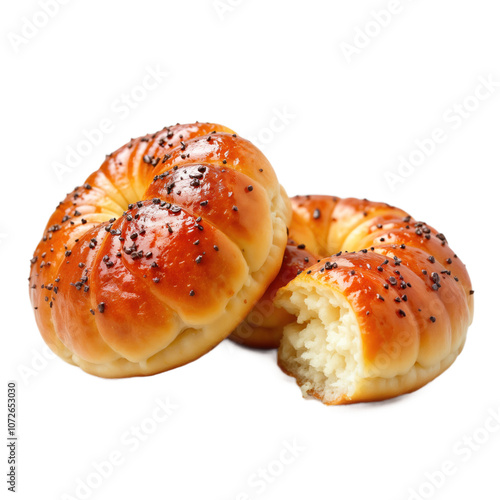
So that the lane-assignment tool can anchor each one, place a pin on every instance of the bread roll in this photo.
(384, 315)
(161, 252)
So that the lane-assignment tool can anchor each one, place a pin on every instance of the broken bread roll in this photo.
(382, 317)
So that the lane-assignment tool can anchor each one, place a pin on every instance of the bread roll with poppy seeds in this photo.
(161, 253)
(384, 315)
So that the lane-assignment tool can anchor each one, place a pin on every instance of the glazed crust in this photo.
(409, 291)
(162, 251)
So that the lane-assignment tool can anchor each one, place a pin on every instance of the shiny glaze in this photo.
(226, 198)
(324, 222)
(126, 169)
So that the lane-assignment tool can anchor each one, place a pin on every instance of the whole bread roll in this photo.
(161, 252)
(384, 315)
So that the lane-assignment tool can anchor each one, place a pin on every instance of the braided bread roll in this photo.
(161, 253)
(383, 316)
(344, 343)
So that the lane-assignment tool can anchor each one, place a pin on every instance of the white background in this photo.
(352, 119)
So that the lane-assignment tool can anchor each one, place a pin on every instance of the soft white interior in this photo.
(323, 349)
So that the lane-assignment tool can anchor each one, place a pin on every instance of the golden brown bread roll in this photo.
(263, 327)
(383, 316)
(161, 253)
